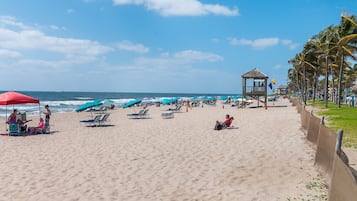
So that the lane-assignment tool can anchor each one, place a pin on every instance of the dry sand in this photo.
(265, 158)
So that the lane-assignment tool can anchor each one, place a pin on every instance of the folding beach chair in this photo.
(14, 129)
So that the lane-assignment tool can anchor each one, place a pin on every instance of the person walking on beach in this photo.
(47, 113)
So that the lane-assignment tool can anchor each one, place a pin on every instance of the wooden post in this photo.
(339, 141)
(322, 122)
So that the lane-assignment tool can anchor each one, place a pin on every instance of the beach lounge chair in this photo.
(167, 115)
(95, 119)
(142, 114)
(98, 120)
(177, 109)
(103, 120)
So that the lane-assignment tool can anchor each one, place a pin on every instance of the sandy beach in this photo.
(266, 157)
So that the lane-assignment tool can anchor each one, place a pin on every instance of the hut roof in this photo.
(255, 73)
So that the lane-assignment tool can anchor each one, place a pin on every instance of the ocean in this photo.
(60, 102)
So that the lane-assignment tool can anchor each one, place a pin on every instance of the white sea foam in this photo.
(70, 105)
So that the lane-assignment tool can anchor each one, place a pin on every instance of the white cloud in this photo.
(70, 10)
(129, 46)
(191, 55)
(8, 21)
(54, 27)
(215, 40)
(179, 58)
(9, 54)
(278, 67)
(33, 48)
(34, 39)
(70, 61)
(262, 43)
(27, 38)
(290, 44)
(256, 44)
(27, 49)
(181, 8)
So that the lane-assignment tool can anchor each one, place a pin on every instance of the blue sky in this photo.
(184, 46)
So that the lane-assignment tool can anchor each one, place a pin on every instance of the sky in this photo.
(173, 46)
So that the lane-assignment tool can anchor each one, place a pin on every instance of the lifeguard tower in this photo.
(255, 85)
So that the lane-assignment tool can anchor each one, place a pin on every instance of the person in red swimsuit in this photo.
(225, 124)
(228, 121)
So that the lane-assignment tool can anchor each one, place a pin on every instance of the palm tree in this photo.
(314, 52)
(325, 44)
(328, 48)
(346, 48)
(294, 75)
(304, 69)
(354, 84)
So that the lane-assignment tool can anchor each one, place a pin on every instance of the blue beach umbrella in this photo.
(89, 105)
(107, 102)
(211, 98)
(236, 97)
(223, 97)
(167, 101)
(131, 103)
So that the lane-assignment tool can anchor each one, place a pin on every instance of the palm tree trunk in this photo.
(314, 87)
(305, 86)
(340, 81)
(326, 84)
(333, 86)
(299, 85)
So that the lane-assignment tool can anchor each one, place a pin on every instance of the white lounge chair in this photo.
(103, 120)
(177, 109)
(142, 114)
(95, 119)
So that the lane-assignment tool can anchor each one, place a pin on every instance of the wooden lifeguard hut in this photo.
(255, 85)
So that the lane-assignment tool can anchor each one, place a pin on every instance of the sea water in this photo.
(60, 102)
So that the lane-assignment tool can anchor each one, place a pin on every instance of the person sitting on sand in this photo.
(39, 129)
(225, 124)
(12, 117)
(22, 125)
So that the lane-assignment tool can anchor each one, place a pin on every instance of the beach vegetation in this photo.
(330, 56)
(317, 189)
(344, 117)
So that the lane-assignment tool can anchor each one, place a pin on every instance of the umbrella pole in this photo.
(6, 118)
(39, 110)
